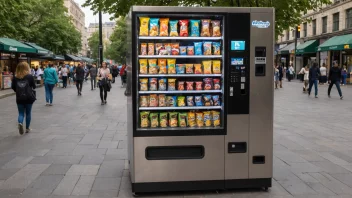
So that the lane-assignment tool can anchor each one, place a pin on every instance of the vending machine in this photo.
(200, 98)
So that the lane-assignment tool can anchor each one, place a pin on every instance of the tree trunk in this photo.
(257, 3)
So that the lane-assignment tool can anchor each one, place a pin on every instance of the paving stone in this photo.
(17, 163)
(89, 151)
(66, 185)
(344, 178)
(91, 139)
(103, 184)
(88, 170)
(103, 193)
(112, 168)
(43, 185)
(7, 173)
(330, 167)
(83, 185)
(108, 144)
(92, 160)
(57, 160)
(332, 184)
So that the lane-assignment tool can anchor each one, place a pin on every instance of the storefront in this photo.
(72, 60)
(307, 53)
(37, 60)
(286, 55)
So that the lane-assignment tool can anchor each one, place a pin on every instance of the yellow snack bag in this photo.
(162, 66)
(143, 66)
(199, 118)
(191, 119)
(143, 28)
(153, 68)
(171, 64)
(207, 118)
(143, 84)
(198, 69)
(216, 67)
(207, 67)
(216, 118)
(163, 119)
(173, 119)
(154, 120)
(144, 119)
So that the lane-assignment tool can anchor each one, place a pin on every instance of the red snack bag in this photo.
(175, 48)
(217, 85)
(181, 85)
(183, 27)
(189, 85)
(199, 85)
(208, 83)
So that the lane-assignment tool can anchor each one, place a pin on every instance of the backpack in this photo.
(23, 91)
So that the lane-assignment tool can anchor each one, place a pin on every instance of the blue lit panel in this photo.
(238, 45)
(237, 61)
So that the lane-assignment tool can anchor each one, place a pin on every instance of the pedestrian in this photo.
(291, 72)
(50, 80)
(71, 69)
(305, 73)
(281, 74)
(79, 78)
(334, 79)
(313, 77)
(39, 74)
(123, 74)
(276, 76)
(104, 77)
(323, 77)
(64, 75)
(115, 73)
(344, 75)
(93, 75)
(23, 84)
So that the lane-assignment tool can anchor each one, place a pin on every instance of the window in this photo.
(324, 25)
(348, 18)
(304, 29)
(314, 26)
(335, 19)
(287, 35)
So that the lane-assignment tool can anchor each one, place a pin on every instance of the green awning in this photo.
(337, 43)
(289, 49)
(11, 45)
(40, 50)
(307, 47)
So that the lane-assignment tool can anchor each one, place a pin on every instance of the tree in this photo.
(93, 43)
(287, 12)
(118, 48)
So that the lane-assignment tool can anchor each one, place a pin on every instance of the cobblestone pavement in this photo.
(77, 148)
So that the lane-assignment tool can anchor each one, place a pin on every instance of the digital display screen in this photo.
(238, 45)
(237, 61)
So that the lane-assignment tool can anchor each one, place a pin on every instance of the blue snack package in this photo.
(199, 101)
(190, 101)
(162, 84)
(180, 68)
(171, 101)
(154, 27)
(183, 50)
(206, 48)
(216, 100)
(216, 48)
(207, 100)
(173, 28)
(195, 27)
(198, 48)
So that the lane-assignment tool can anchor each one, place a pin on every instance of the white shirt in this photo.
(323, 71)
(290, 70)
(64, 71)
(38, 73)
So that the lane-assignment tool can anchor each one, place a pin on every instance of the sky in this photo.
(90, 18)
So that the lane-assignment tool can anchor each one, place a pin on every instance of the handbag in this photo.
(108, 87)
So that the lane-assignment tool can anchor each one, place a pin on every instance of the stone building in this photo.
(108, 29)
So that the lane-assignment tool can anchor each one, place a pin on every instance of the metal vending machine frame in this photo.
(238, 153)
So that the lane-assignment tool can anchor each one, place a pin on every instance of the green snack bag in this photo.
(144, 119)
(163, 119)
(154, 120)
(182, 117)
(173, 119)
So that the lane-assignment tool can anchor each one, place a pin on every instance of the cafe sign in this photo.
(14, 49)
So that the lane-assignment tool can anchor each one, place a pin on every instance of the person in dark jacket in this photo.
(281, 74)
(115, 73)
(314, 74)
(334, 79)
(79, 78)
(24, 105)
(93, 75)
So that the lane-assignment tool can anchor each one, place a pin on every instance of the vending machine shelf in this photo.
(180, 75)
(179, 38)
(180, 56)
(181, 108)
(180, 92)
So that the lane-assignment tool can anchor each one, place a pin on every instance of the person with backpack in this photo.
(334, 79)
(313, 76)
(79, 78)
(115, 73)
(24, 85)
(93, 75)
(50, 80)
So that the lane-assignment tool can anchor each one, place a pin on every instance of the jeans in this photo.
(49, 92)
(21, 109)
(344, 77)
(79, 85)
(64, 81)
(93, 80)
(315, 82)
(337, 83)
(103, 89)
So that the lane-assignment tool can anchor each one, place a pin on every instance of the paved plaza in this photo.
(78, 148)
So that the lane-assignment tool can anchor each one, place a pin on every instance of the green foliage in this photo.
(93, 43)
(118, 47)
(287, 12)
(44, 22)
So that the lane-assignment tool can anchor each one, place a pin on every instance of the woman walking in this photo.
(104, 77)
(50, 80)
(305, 73)
(23, 84)
(79, 78)
(64, 76)
(276, 76)
(323, 78)
(290, 73)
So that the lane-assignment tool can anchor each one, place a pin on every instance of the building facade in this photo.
(78, 20)
(108, 29)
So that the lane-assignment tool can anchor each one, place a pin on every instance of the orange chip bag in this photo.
(150, 48)
(198, 69)
(143, 49)
(164, 27)
(162, 66)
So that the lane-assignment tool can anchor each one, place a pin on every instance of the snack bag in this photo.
(198, 48)
(154, 120)
(162, 84)
(158, 47)
(150, 48)
(153, 100)
(173, 119)
(189, 85)
(198, 69)
(182, 117)
(143, 101)
(175, 48)
(216, 48)
(183, 27)
(181, 85)
(199, 119)
(173, 28)
(216, 67)
(180, 68)
(143, 49)
(199, 85)
(143, 28)
(207, 100)
(198, 100)
(154, 27)
(190, 50)
(191, 119)
(217, 85)
(162, 66)
(207, 67)
(216, 100)
(171, 82)
(171, 66)
(143, 66)
(164, 27)
(162, 100)
(195, 27)
(163, 119)
(208, 83)
(206, 48)
(171, 101)
(216, 28)
(207, 118)
(216, 118)
(190, 101)
(168, 48)
(183, 50)
(144, 119)
(143, 82)
(153, 68)
(153, 84)
(205, 27)
(189, 68)
(181, 101)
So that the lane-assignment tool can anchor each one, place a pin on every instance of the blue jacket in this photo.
(50, 76)
(314, 73)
